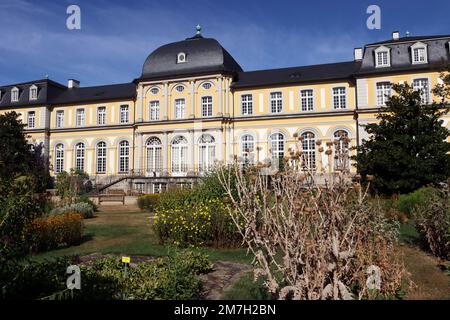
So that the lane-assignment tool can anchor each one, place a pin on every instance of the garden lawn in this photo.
(130, 233)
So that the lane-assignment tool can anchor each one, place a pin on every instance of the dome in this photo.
(193, 56)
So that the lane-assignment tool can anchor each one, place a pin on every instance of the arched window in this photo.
(154, 155)
(124, 156)
(341, 150)
(59, 158)
(309, 150)
(101, 157)
(79, 156)
(179, 155)
(248, 147)
(277, 145)
(207, 152)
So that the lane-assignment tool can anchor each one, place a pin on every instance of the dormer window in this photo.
(181, 57)
(33, 92)
(419, 53)
(15, 94)
(382, 57)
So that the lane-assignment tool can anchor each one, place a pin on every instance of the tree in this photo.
(408, 147)
(18, 157)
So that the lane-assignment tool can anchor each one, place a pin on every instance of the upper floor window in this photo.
(180, 108)
(419, 53)
(15, 94)
(339, 98)
(60, 119)
(179, 88)
(101, 115)
(382, 57)
(33, 92)
(31, 120)
(207, 107)
(181, 57)
(154, 110)
(59, 158)
(383, 93)
(81, 118)
(307, 100)
(246, 104)
(154, 90)
(207, 85)
(124, 114)
(422, 86)
(276, 102)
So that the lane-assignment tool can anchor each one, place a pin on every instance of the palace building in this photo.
(194, 106)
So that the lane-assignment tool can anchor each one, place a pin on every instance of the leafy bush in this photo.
(72, 185)
(81, 208)
(407, 202)
(32, 279)
(148, 202)
(432, 218)
(168, 278)
(185, 223)
(55, 231)
(85, 199)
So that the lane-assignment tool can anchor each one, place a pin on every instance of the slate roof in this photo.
(52, 93)
(313, 73)
(203, 56)
(408, 39)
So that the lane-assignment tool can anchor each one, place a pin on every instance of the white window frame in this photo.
(179, 88)
(59, 121)
(15, 94)
(307, 101)
(154, 155)
(33, 92)
(246, 104)
(154, 111)
(101, 152)
(180, 108)
(309, 149)
(386, 50)
(181, 57)
(337, 136)
(277, 147)
(154, 90)
(419, 46)
(426, 91)
(382, 94)
(124, 114)
(80, 154)
(80, 117)
(101, 115)
(207, 106)
(59, 158)
(206, 152)
(124, 157)
(179, 154)
(31, 119)
(339, 104)
(248, 147)
(276, 102)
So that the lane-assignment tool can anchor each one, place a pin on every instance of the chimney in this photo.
(72, 83)
(395, 35)
(358, 54)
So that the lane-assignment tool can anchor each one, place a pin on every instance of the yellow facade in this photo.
(180, 126)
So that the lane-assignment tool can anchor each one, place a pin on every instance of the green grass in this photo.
(409, 234)
(130, 233)
(246, 289)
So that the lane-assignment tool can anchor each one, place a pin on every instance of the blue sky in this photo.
(117, 36)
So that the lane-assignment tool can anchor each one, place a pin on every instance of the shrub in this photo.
(148, 202)
(407, 202)
(72, 185)
(432, 218)
(82, 208)
(55, 231)
(185, 223)
(85, 199)
(168, 278)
